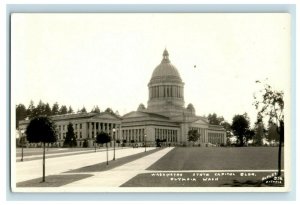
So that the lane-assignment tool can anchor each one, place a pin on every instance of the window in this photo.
(75, 126)
(80, 126)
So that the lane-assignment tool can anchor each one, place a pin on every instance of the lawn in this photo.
(212, 167)
(219, 158)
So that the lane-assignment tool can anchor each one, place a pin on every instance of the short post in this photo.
(106, 154)
(44, 148)
(114, 130)
(22, 144)
(145, 141)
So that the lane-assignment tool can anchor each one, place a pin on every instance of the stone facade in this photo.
(86, 126)
(164, 118)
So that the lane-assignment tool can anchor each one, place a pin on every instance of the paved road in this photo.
(38, 154)
(33, 169)
(119, 175)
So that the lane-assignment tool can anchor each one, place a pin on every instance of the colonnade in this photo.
(96, 127)
(138, 135)
(170, 135)
(166, 91)
(216, 138)
(203, 137)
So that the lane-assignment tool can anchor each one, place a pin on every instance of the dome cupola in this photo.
(165, 87)
(165, 71)
(190, 108)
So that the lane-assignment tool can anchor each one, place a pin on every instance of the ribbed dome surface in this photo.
(165, 68)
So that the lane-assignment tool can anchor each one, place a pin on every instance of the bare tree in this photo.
(270, 104)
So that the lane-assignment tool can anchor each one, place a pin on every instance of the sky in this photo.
(108, 59)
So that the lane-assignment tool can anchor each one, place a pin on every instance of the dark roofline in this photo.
(73, 116)
(147, 113)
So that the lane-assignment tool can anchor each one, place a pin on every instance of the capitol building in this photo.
(165, 117)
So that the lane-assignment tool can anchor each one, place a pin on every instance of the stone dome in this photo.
(141, 107)
(166, 89)
(190, 108)
(165, 70)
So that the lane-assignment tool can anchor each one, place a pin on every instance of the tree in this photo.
(272, 134)
(270, 104)
(70, 110)
(63, 110)
(250, 133)
(31, 110)
(118, 142)
(96, 109)
(157, 141)
(214, 119)
(124, 142)
(40, 109)
(41, 129)
(260, 131)
(83, 110)
(70, 140)
(47, 110)
(85, 143)
(21, 114)
(240, 127)
(22, 143)
(227, 127)
(193, 136)
(109, 110)
(55, 109)
(103, 138)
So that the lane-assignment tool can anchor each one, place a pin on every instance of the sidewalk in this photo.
(119, 175)
(33, 169)
(68, 153)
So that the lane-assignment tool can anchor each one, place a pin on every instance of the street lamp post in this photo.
(114, 130)
(145, 141)
(22, 144)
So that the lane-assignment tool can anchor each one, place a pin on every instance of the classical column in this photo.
(90, 130)
(95, 131)
(160, 91)
(153, 92)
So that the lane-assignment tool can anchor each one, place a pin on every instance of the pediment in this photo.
(135, 114)
(201, 122)
(106, 116)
